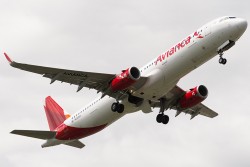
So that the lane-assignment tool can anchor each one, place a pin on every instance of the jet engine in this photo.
(127, 78)
(193, 97)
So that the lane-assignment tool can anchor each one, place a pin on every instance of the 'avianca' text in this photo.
(175, 48)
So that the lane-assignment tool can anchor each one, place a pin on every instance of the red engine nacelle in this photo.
(125, 79)
(193, 97)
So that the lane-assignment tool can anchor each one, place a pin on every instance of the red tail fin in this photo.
(55, 114)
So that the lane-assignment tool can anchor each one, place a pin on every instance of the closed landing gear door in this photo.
(146, 107)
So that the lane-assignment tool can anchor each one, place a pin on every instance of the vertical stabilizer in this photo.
(54, 113)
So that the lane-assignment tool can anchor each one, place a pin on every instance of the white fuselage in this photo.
(165, 71)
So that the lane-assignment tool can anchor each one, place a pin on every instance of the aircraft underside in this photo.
(152, 86)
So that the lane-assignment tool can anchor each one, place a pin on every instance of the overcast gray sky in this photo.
(108, 36)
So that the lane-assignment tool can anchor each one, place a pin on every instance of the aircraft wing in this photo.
(172, 98)
(91, 80)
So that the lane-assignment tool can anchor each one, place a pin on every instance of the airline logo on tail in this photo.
(54, 113)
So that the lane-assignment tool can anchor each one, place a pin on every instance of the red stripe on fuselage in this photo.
(65, 132)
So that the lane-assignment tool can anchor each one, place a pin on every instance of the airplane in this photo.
(136, 89)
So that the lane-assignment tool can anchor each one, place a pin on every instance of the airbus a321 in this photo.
(136, 89)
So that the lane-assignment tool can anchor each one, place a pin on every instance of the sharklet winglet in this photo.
(7, 57)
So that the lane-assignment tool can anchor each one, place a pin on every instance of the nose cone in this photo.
(242, 25)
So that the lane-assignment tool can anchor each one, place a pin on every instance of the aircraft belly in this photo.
(153, 86)
(101, 114)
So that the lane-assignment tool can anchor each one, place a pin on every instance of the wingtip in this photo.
(13, 131)
(7, 57)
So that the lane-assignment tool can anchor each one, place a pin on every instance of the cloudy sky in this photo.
(108, 36)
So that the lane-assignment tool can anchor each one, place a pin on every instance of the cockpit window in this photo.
(226, 18)
(223, 19)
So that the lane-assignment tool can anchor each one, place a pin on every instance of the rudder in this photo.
(54, 113)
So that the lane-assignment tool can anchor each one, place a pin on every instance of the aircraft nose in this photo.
(242, 24)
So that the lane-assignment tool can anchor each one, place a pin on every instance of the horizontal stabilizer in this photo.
(75, 143)
(35, 134)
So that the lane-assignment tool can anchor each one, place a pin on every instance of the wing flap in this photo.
(205, 111)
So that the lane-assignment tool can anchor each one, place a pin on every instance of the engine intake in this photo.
(202, 91)
(134, 73)
(193, 97)
(127, 78)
